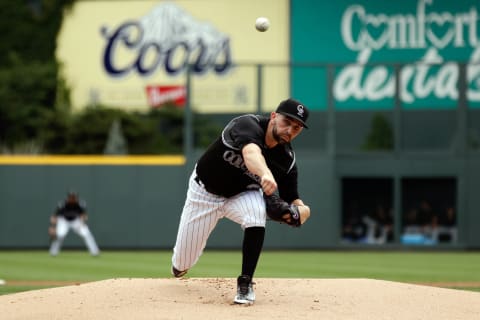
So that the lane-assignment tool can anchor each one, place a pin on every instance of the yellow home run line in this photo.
(92, 160)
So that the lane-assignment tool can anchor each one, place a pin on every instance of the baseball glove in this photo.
(52, 228)
(277, 208)
(52, 232)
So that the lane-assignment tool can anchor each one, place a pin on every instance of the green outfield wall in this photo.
(138, 206)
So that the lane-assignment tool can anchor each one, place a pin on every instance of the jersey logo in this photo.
(236, 160)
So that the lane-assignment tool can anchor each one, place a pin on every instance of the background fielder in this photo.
(252, 156)
(71, 214)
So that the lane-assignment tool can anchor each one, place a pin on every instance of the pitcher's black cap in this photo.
(294, 109)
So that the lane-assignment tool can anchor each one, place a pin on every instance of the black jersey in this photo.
(71, 211)
(222, 169)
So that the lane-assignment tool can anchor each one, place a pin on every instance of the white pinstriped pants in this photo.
(200, 215)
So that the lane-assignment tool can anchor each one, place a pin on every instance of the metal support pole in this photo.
(188, 120)
(259, 87)
(462, 110)
(462, 150)
(397, 112)
(330, 141)
(397, 146)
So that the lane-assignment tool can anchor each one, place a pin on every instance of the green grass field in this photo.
(31, 268)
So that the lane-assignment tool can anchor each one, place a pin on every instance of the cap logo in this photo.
(300, 110)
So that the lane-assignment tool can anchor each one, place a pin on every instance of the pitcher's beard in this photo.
(278, 138)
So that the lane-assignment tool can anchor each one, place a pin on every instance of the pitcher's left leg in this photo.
(248, 209)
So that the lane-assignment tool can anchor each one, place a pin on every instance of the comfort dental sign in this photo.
(427, 37)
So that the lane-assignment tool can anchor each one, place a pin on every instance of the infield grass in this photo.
(36, 269)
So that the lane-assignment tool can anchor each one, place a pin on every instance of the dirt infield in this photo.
(211, 298)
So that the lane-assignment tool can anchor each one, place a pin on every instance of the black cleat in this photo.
(177, 273)
(245, 293)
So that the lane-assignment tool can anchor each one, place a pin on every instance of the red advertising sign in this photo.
(158, 96)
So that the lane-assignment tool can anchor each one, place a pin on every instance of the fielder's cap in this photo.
(294, 109)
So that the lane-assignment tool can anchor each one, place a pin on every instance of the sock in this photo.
(252, 247)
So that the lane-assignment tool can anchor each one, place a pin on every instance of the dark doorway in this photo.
(367, 210)
(429, 210)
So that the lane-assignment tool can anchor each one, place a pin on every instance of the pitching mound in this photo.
(196, 298)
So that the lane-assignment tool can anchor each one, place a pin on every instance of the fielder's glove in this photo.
(277, 208)
(52, 228)
(52, 232)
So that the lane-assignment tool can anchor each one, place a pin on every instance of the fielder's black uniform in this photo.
(71, 211)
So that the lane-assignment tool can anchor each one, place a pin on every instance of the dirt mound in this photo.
(210, 298)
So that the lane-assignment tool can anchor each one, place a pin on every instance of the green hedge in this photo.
(46, 131)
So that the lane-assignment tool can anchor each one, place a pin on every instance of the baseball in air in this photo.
(262, 24)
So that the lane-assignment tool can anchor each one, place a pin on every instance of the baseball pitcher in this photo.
(248, 173)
